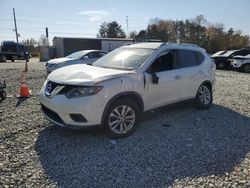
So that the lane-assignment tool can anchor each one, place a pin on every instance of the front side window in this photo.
(124, 58)
(185, 58)
(163, 63)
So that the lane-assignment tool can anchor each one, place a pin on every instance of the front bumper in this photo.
(59, 110)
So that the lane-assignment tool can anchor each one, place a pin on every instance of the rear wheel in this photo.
(122, 118)
(246, 68)
(204, 97)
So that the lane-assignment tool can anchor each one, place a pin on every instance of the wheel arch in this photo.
(131, 95)
(208, 83)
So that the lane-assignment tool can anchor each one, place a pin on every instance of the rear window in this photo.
(200, 57)
(186, 58)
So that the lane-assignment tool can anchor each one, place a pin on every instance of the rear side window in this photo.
(102, 54)
(186, 58)
(200, 57)
(93, 55)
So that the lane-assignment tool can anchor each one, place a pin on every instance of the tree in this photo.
(212, 37)
(132, 34)
(31, 44)
(111, 30)
(142, 34)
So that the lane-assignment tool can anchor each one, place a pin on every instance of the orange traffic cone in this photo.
(26, 67)
(24, 89)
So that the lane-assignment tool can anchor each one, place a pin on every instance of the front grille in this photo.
(51, 114)
(50, 86)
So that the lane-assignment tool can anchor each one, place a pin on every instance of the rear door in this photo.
(191, 71)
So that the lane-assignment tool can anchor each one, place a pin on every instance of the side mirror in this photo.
(154, 77)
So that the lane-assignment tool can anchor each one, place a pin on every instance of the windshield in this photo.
(77, 55)
(228, 53)
(124, 58)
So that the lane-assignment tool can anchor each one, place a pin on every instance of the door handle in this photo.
(201, 72)
(177, 77)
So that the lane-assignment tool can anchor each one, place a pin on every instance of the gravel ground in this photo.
(176, 146)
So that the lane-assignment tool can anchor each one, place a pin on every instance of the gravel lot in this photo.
(175, 146)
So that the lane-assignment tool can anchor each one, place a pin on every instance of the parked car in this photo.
(224, 59)
(11, 50)
(80, 57)
(241, 63)
(218, 53)
(116, 89)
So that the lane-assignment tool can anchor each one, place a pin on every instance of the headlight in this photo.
(83, 91)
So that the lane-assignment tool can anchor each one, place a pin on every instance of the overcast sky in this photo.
(82, 18)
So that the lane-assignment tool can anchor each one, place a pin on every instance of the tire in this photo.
(204, 97)
(246, 68)
(3, 95)
(221, 65)
(120, 113)
(4, 58)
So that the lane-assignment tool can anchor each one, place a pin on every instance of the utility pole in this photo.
(47, 36)
(127, 26)
(15, 25)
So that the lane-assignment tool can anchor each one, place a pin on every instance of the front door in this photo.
(163, 82)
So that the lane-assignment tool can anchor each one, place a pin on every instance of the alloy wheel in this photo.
(204, 94)
(122, 119)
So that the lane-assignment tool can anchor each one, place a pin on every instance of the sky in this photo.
(82, 18)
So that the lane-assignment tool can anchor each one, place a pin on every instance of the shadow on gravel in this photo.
(20, 101)
(192, 143)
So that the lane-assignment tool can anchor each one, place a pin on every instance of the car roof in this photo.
(217, 53)
(156, 45)
(228, 53)
(147, 45)
(88, 51)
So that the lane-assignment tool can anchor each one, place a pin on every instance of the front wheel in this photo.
(122, 118)
(204, 97)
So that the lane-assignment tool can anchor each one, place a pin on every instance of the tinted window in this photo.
(186, 58)
(101, 54)
(9, 47)
(163, 63)
(200, 58)
(93, 55)
(242, 53)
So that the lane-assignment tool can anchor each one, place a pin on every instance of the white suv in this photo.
(115, 90)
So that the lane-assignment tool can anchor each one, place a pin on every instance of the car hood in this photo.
(59, 60)
(84, 75)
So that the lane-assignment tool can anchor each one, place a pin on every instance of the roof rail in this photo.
(165, 43)
(188, 44)
(180, 44)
